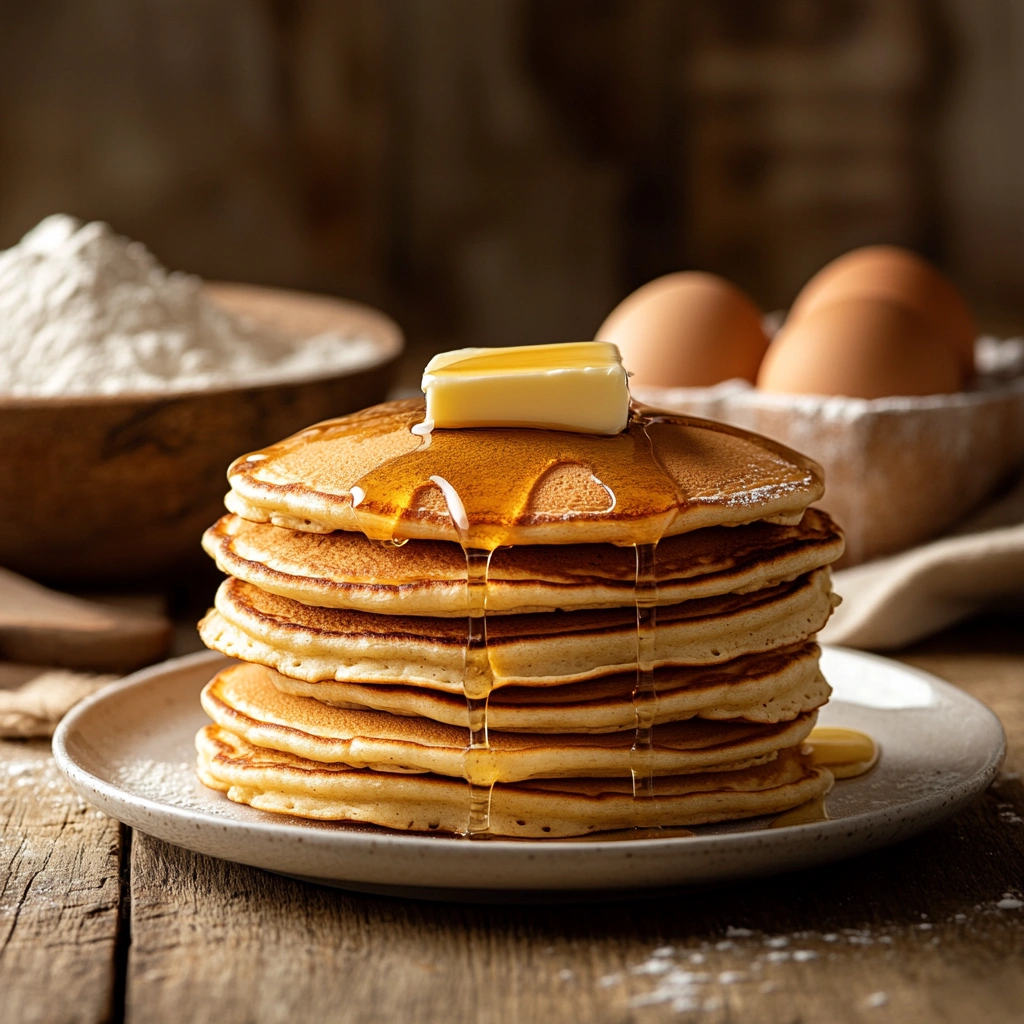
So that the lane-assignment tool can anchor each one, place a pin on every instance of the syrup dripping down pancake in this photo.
(283, 783)
(664, 475)
(346, 570)
(766, 688)
(527, 650)
(244, 700)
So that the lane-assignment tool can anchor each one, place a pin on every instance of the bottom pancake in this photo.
(281, 783)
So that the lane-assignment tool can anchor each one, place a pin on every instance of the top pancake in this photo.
(346, 570)
(487, 487)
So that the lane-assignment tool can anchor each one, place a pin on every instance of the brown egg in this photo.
(687, 329)
(896, 275)
(864, 348)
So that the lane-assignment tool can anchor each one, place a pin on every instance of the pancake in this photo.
(244, 700)
(767, 688)
(526, 650)
(285, 784)
(346, 570)
(664, 475)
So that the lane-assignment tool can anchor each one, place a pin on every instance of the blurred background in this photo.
(504, 171)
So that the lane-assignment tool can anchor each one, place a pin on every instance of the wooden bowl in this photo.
(119, 488)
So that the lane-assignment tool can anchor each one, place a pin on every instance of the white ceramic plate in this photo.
(129, 750)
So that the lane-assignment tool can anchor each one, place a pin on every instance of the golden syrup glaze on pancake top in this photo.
(665, 474)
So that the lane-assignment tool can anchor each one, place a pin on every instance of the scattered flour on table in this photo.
(1006, 810)
(84, 311)
(684, 979)
(38, 780)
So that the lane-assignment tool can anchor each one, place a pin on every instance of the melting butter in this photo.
(577, 386)
(846, 753)
(804, 814)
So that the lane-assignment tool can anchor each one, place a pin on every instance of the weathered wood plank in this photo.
(914, 933)
(221, 942)
(60, 890)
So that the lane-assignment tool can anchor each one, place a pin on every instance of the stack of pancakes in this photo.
(670, 577)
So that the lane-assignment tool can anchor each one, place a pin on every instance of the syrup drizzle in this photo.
(802, 814)
(477, 684)
(645, 691)
(477, 674)
(645, 695)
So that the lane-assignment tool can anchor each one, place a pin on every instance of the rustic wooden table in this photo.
(98, 922)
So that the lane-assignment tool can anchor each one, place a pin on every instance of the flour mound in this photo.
(85, 311)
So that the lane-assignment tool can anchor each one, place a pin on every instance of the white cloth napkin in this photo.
(894, 601)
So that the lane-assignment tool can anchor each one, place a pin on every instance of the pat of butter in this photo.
(579, 386)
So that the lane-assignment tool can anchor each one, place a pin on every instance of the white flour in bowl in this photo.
(84, 311)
